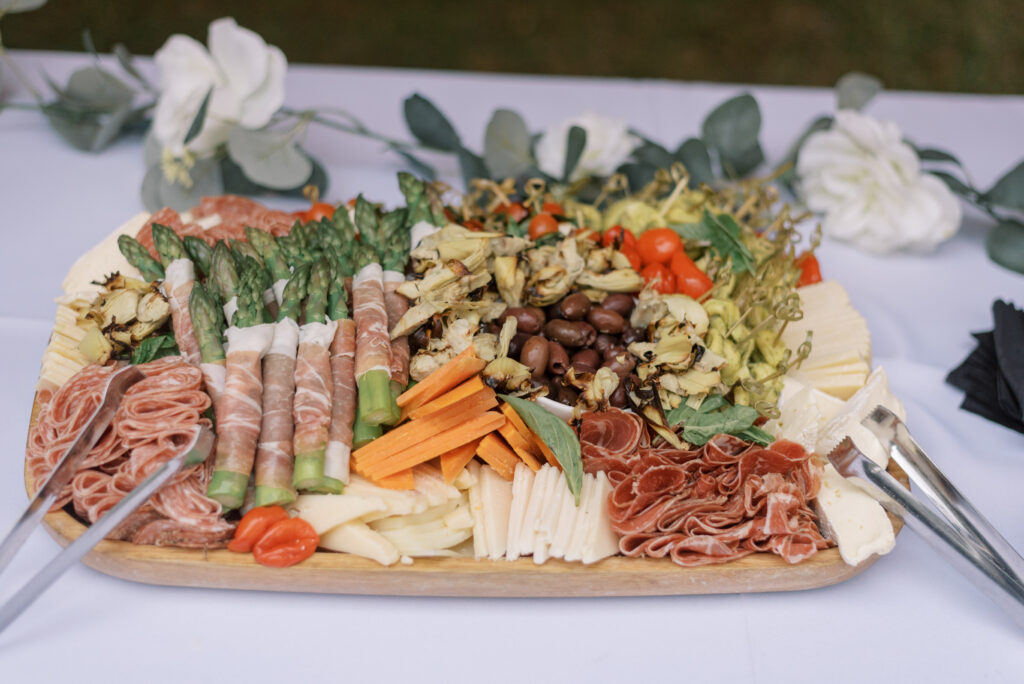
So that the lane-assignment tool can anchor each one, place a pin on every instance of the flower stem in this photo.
(355, 127)
(16, 70)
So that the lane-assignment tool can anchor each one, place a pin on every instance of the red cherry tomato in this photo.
(541, 225)
(810, 271)
(553, 208)
(351, 204)
(660, 278)
(474, 225)
(633, 256)
(617, 235)
(253, 525)
(287, 542)
(690, 280)
(657, 245)
(588, 234)
(320, 210)
(515, 210)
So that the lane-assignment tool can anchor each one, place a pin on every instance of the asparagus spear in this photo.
(264, 243)
(168, 245)
(208, 321)
(250, 310)
(311, 443)
(294, 293)
(241, 248)
(223, 273)
(292, 250)
(138, 256)
(422, 200)
(200, 253)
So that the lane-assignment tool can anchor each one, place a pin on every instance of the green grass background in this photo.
(972, 46)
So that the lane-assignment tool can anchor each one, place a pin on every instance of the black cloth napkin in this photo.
(992, 377)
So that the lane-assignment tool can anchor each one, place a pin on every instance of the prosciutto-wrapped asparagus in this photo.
(138, 256)
(314, 388)
(239, 414)
(264, 243)
(208, 322)
(275, 456)
(179, 277)
(224, 279)
(343, 374)
(373, 345)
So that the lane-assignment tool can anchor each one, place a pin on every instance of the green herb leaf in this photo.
(575, 142)
(1008, 191)
(154, 348)
(1005, 245)
(723, 233)
(715, 416)
(955, 184)
(429, 125)
(731, 130)
(558, 436)
(507, 145)
(855, 90)
(693, 153)
(472, 166)
(269, 158)
(200, 118)
(650, 152)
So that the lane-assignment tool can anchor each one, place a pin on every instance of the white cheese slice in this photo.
(396, 502)
(841, 386)
(583, 521)
(551, 507)
(601, 541)
(464, 480)
(476, 508)
(531, 516)
(847, 423)
(325, 511)
(855, 520)
(522, 486)
(103, 259)
(567, 516)
(357, 538)
(496, 498)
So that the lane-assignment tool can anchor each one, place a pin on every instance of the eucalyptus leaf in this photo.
(429, 125)
(15, 6)
(269, 158)
(199, 119)
(558, 436)
(158, 192)
(932, 154)
(98, 88)
(127, 62)
(575, 142)
(1005, 245)
(693, 154)
(1008, 191)
(731, 130)
(955, 184)
(855, 90)
(418, 165)
(653, 154)
(84, 130)
(507, 144)
(472, 166)
(637, 175)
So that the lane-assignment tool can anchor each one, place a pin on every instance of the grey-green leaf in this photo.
(429, 125)
(199, 119)
(471, 166)
(558, 436)
(269, 158)
(1005, 245)
(95, 87)
(1008, 191)
(507, 144)
(652, 153)
(574, 144)
(932, 154)
(855, 90)
(731, 130)
(693, 153)
(955, 184)
(637, 174)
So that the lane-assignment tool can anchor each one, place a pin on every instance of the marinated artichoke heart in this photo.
(126, 312)
(95, 346)
(510, 279)
(634, 215)
(505, 374)
(596, 389)
(554, 271)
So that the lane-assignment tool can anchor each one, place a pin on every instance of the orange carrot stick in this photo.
(498, 456)
(401, 480)
(462, 367)
(524, 449)
(435, 446)
(468, 388)
(529, 435)
(452, 462)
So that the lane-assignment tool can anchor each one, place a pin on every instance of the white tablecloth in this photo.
(909, 618)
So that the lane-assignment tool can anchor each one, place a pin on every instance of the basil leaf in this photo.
(715, 416)
(558, 436)
(757, 436)
(154, 348)
(723, 233)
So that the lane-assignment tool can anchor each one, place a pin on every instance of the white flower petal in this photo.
(240, 54)
(609, 144)
(261, 105)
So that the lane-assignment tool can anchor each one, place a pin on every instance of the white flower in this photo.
(869, 185)
(609, 143)
(246, 75)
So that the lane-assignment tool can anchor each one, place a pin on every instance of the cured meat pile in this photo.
(155, 420)
(714, 504)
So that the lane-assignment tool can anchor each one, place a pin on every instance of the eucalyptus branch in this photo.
(16, 70)
(355, 127)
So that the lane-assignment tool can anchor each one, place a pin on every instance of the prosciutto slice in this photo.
(373, 342)
(274, 454)
(343, 408)
(314, 390)
(714, 504)
(396, 305)
(179, 278)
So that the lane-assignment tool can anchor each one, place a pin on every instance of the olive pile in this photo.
(573, 333)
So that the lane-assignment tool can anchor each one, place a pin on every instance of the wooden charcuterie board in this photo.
(337, 573)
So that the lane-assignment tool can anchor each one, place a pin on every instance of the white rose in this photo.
(246, 75)
(609, 143)
(869, 185)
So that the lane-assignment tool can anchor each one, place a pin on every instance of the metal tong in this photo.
(195, 452)
(959, 531)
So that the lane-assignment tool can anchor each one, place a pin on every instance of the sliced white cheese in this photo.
(476, 509)
(396, 502)
(855, 520)
(522, 487)
(601, 541)
(528, 535)
(847, 423)
(103, 259)
(496, 499)
(547, 520)
(357, 538)
(584, 520)
(325, 511)
(567, 517)
(464, 480)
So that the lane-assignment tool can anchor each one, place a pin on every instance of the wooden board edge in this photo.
(338, 573)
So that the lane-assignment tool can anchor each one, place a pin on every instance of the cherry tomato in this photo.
(287, 542)
(553, 208)
(588, 234)
(474, 225)
(541, 225)
(690, 280)
(810, 271)
(318, 211)
(351, 204)
(633, 256)
(253, 525)
(617, 235)
(660, 278)
(657, 245)
(450, 215)
(515, 210)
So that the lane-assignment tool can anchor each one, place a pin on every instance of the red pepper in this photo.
(253, 525)
(690, 280)
(810, 271)
(319, 210)
(660, 278)
(287, 542)
(633, 256)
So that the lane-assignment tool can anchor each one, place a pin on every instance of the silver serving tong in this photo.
(195, 452)
(959, 532)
